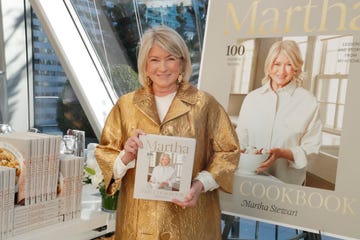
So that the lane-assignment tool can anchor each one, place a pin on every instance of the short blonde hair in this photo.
(171, 41)
(292, 51)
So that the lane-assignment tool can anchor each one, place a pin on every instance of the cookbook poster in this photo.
(238, 36)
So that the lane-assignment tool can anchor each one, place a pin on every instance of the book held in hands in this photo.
(164, 167)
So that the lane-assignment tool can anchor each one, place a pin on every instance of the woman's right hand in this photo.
(131, 146)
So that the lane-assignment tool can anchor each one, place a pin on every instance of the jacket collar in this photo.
(185, 97)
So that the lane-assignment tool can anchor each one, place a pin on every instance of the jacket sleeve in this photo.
(107, 151)
(224, 144)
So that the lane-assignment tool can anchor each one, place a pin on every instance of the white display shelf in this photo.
(93, 222)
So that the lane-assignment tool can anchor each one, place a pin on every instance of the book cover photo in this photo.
(164, 167)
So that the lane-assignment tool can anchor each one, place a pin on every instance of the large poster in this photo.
(320, 192)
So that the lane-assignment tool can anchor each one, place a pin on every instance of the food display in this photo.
(10, 158)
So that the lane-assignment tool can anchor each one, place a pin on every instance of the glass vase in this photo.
(108, 202)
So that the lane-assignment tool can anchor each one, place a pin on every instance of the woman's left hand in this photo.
(163, 184)
(192, 197)
(275, 153)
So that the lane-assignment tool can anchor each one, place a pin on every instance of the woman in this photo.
(163, 175)
(282, 116)
(167, 104)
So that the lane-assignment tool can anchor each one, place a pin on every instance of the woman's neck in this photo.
(164, 92)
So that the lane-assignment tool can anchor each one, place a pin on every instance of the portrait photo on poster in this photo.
(309, 122)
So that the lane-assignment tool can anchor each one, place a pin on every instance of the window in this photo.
(100, 45)
(331, 82)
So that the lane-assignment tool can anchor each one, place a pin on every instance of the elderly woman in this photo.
(282, 116)
(167, 104)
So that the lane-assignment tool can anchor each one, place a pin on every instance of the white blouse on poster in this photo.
(287, 118)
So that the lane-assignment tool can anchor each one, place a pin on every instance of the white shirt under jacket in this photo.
(286, 118)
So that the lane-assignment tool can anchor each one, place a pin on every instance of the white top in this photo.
(287, 118)
(163, 105)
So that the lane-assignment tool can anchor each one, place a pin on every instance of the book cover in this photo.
(164, 167)
(17, 154)
(239, 34)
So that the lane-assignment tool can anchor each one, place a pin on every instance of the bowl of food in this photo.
(249, 162)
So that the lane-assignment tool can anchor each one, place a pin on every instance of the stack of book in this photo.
(38, 185)
(70, 186)
(7, 193)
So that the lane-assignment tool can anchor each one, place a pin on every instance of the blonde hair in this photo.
(292, 51)
(171, 41)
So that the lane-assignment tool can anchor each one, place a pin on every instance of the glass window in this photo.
(115, 27)
(332, 80)
(113, 35)
(56, 107)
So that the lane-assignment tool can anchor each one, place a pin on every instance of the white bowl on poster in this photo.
(250, 162)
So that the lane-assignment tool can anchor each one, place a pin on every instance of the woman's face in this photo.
(281, 72)
(165, 161)
(163, 69)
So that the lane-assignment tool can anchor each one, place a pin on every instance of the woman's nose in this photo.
(281, 69)
(163, 65)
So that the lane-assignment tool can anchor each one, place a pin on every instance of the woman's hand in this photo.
(131, 146)
(192, 197)
(275, 153)
(164, 184)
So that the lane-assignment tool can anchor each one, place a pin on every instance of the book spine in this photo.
(1, 202)
(12, 176)
(5, 207)
(45, 162)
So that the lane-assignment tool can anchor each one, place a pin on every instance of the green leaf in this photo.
(90, 170)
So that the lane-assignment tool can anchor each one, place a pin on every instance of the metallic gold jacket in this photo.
(193, 113)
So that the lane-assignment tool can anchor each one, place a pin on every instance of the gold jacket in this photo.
(193, 113)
